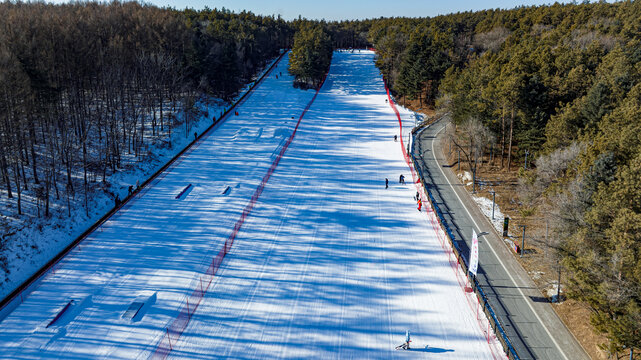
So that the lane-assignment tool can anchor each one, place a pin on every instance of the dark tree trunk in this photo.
(16, 174)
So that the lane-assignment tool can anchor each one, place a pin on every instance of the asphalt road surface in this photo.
(533, 327)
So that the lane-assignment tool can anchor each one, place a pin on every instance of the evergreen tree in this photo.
(311, 56)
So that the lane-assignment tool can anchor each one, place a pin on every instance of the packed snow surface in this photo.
(329, 264)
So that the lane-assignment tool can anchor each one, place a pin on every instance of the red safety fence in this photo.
(434, 220)
(177, 326)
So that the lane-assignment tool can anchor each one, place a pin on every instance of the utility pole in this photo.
(474, 177)
(523, 240)
(459, 160)
(547, 243)
(494, 202)
(526, 154)
(558, 286)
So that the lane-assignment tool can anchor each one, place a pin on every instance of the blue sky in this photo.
(349, 9)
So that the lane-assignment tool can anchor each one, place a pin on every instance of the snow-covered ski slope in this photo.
(328, 264)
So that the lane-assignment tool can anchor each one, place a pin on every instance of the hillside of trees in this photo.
(561, 84)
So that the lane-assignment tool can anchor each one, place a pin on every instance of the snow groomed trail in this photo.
(331, 264)
(328, 264)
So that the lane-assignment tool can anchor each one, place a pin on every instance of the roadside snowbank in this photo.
(485, 205)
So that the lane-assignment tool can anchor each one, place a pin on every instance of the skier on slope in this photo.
(401, 179)
(420, 204)
(386, 183)
(406, 344)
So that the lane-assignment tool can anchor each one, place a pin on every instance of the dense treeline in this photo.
(83, 85)
(562, 84)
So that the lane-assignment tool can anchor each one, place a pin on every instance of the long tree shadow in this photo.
(429, 349)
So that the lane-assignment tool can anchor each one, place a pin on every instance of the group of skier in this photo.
(401, 180)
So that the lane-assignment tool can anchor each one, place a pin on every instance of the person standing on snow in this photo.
(420, 204)
(401, 179)
(386, 183)
(406, 344)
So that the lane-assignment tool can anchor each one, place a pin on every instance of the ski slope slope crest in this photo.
(329, 264)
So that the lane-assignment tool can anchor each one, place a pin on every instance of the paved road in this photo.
(530, 322)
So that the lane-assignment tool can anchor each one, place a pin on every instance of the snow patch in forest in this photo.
(552, 292)
(465, 176)
(31, 241)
